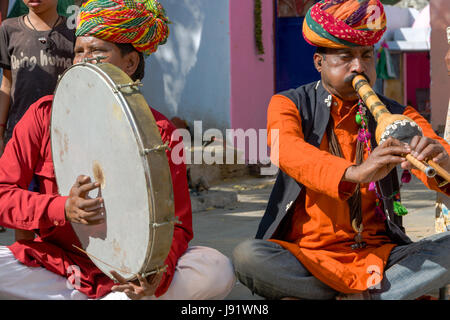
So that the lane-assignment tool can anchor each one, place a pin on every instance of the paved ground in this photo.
(224, 228)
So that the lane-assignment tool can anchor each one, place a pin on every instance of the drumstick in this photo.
(397, 126)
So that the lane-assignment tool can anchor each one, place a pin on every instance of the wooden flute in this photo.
(397, 126)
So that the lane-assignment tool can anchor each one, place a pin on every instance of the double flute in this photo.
(397, 126)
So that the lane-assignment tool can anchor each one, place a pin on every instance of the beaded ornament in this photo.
(364, 136)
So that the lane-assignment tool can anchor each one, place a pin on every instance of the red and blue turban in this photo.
(344, 23)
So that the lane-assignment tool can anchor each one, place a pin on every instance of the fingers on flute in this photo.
(423, 148)
(390, 159)
(406, 165)
(397, 151)
(433, 151)
(392, 142)
(441, 158)
(414, 141)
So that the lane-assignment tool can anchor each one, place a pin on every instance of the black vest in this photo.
(313, 103)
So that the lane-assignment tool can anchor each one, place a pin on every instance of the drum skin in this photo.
(101, 131)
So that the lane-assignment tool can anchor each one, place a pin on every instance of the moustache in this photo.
(350, 78)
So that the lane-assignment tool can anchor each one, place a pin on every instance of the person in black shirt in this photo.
(34, 49)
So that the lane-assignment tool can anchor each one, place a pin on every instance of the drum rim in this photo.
(137, 133)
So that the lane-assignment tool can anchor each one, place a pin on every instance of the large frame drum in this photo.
(101, 126)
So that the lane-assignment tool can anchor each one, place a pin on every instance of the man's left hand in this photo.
(137, 289)
(423, 148)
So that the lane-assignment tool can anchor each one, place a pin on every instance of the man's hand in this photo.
(380, 162)
(138, 289)
(79, 208)
(423, 148)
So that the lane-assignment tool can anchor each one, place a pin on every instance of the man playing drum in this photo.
(122, 32)
(332, 228)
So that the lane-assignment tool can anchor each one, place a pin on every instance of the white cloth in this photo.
(201, 273)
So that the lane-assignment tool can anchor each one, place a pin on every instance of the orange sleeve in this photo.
(430, 183)
(316, 169)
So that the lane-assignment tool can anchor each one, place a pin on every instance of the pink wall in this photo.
(440, 81)
(417, 75)
(252, 80)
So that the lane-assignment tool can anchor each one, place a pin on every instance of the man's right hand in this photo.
(380, 162)
(79, 208)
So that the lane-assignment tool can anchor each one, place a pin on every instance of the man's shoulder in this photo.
(302, 94)
(36, 120)
(303, 89)
(42, 108)
(165, 126)
(44, 103)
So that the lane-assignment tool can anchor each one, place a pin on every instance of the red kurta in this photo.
(29, 153)
(320, 232)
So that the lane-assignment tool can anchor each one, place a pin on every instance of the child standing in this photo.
(34, 49)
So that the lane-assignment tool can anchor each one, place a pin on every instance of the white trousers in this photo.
(201, 273)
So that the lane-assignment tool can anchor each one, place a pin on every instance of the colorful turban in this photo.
(142, 23)
(344, 23)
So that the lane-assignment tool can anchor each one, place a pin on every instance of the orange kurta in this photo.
(320, 233)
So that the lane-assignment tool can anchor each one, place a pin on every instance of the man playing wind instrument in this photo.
(332, 227)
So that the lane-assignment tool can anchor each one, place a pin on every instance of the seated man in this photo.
(332, 227)
(38, 268)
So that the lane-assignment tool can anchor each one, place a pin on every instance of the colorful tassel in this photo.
(379, 214)
(358, 119)
(399, 209)
(361, 120)
(362, 135)
(406, 176)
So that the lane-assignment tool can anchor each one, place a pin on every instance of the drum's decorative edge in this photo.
(158, 228)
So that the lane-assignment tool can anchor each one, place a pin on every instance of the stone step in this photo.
(213, 199)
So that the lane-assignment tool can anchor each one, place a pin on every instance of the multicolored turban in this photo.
(344, 23)
(143, 23)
